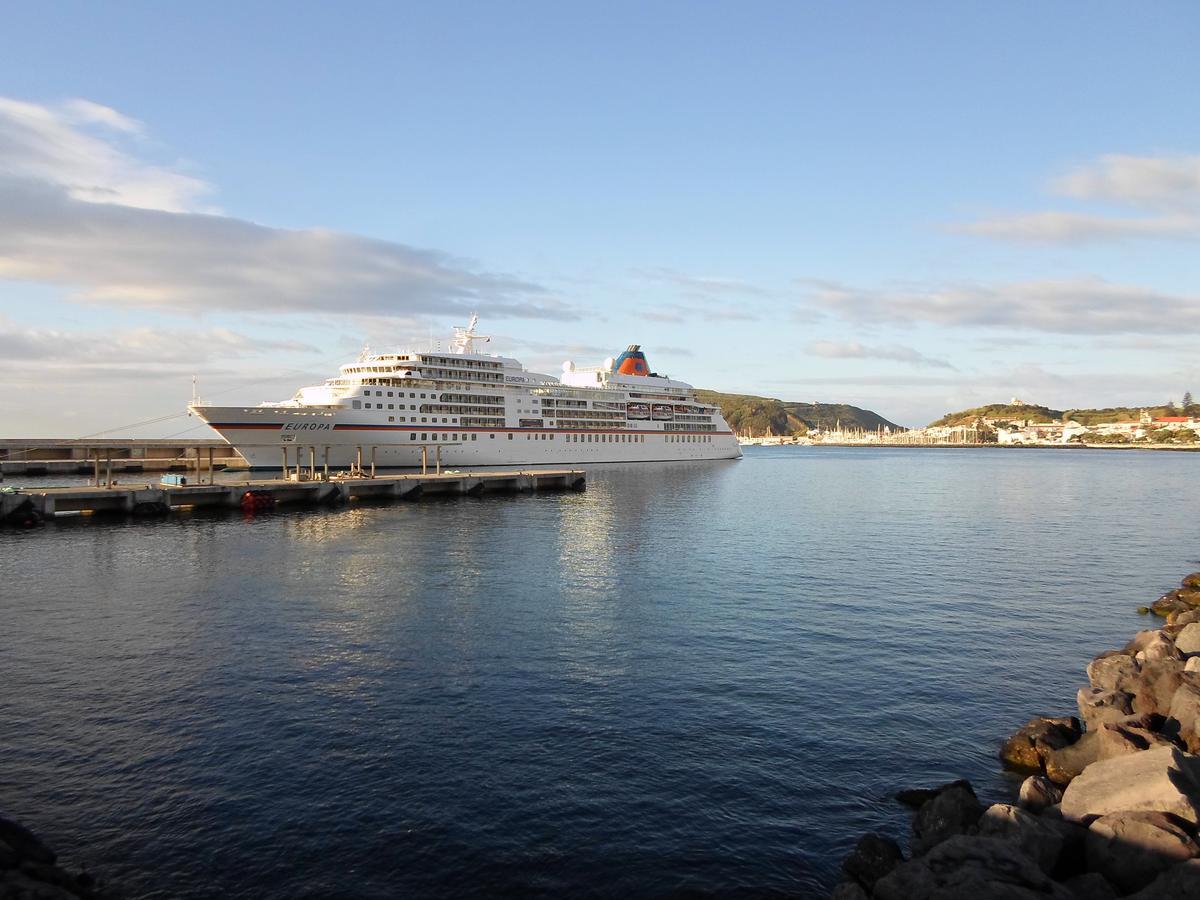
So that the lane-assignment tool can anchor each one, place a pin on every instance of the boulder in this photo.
(953, 811)
(976, 867)
(1164, 780)
(1109, 671)
(1183, 716)
(1037, 792)
(8, 856)
(1180, 882)
(1188, 617)
(1187, 642)
(1063, 765)
(25, 843)
(1192, 582)
(1131, 849)
(1154, 685)
(1193, 663)
(849, 890)
(1090, 886)
(1162, 647)
(915, 798)
(1039, 840)
(1129, 736)
(1028, 747)
(1097, 707)
(872, 858)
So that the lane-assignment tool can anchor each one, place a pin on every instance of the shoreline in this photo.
(1177, 448)
(1110, 803)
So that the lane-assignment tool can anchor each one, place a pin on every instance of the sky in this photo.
(912, 208)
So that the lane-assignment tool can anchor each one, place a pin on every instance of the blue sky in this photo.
(909, 207)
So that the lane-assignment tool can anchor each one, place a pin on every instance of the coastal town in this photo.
(1019, 424)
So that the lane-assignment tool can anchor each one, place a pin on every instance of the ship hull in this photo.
(270, 438)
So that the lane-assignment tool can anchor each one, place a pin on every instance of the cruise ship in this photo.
(468, 408)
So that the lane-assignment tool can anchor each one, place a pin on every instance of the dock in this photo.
(28, 507)
(37, 457)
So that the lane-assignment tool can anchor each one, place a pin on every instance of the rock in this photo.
(976, 867)
(1128, 736)
(872, 858)
(1180, 882)
(915, 798)
(18, 884)
(849, 890)
(8, 856)
(1040, 841)
(1108, 671)
(1187, 618)
(25, 842)
(1139, 641)
(1090, 886)
(1193, 663)
(953, 811)
(1037, 792)
(1165, 780)
(1164, 648)
(1027, 748)
(1183, 716)
(1065, 764)
(1188, 640)
(1097, 707)
(1192, 581)
(1131, 849)
(1154, 686)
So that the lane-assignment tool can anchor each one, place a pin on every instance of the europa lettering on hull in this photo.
(482, 410)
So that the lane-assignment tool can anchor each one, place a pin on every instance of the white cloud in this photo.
(855, 350)
(702, 285)
(141, 350)
(73, 147)
(1068, 227)
(1076, 306)
(1167, 185)
(79, 210)
(1163, 182)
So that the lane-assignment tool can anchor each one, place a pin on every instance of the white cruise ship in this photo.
(466, 409)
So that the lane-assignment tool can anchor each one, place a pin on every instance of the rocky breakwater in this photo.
(1110, 806)
(29, 870)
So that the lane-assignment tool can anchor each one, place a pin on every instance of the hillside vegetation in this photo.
(765, 416)
(1045, 414)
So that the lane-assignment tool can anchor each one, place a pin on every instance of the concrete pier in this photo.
(23, 507)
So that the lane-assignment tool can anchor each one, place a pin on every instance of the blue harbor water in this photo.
(701, 678)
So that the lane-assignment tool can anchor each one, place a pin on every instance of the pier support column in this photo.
(358, 464)
(424, 459)
(437, 455)
(326, 470)
(372, 461)
(312, 463)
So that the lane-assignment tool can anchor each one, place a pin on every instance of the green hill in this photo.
(764, 416)
(1045, 414)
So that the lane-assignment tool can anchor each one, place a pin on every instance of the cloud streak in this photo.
(78, 210)
(1074, 306)
(893, 352)
(1168, 187)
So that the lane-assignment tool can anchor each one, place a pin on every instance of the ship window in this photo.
(424, 418)
(492, 437)
(391, 406)
(411, 396)
(424, 437)
(510, 435)
(443, 420)
(358, 404)
(379, 393)
(412, 436)
(389, 394)
(391, 418)
(474, 436)
(422, 396)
